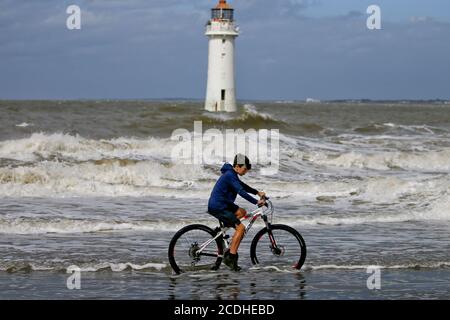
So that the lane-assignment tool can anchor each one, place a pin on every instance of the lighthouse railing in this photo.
(222, 28)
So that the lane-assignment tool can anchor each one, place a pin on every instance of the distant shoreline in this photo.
(277, 101)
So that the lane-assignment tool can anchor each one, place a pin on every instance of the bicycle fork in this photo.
(273, 244)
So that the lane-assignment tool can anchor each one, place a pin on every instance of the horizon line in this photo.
(312, 101)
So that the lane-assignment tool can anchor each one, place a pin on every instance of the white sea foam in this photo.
(438, 211)
(24, 125)
(308, 267)
(364, 219)
(147, 178)
(93, 267)
(431, 265)
(427, 161)
(164, 267)
(66, 165)
(61, 165)
(119, 267)
(51, 178)
(64, 146)
(73, 226)
(251, 111)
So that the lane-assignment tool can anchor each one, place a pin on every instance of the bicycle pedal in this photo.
(226, 236)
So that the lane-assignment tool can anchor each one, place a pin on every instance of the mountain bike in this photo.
(198, 247)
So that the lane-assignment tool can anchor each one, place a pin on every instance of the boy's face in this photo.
(241, 170)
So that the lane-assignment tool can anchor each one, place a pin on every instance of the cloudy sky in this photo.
(288, 49)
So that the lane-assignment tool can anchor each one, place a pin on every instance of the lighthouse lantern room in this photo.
(221, 31)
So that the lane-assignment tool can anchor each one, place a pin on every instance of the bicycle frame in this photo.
(285, 243)
(252, 216)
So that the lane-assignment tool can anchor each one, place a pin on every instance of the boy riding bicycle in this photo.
(221, 203)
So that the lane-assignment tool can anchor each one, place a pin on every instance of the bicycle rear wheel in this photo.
(280, 247)
(184, 249)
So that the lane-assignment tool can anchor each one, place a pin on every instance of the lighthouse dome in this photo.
(223, 5)
(223, 11)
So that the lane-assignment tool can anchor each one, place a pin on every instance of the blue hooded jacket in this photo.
(226, 189)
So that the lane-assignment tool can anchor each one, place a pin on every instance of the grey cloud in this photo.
(141, 48)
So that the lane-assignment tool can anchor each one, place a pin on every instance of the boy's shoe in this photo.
(231, 261)
(215, 267)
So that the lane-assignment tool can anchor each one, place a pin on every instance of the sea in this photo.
(95, 186)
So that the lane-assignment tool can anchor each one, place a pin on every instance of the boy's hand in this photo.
(261, 202)
(261, 194)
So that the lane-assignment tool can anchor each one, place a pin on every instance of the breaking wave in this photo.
(426, 161)
(68, 267)
(250, 118)
(25, 225)
(415, 266)
(12, 267)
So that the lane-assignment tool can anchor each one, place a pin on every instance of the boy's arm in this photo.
(248, 188)
(236, 183)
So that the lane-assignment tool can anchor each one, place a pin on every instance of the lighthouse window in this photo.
(216, 13)
(223, 95)
(222, 14)
(227, 14)
(223, 41)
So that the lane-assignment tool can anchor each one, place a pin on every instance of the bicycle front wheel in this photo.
(191, 249)
(280, 247)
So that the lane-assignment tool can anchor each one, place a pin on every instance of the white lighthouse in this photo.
(221, 31)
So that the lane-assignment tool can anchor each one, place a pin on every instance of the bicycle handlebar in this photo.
(266, 211)
(268, 204)
(265, 198)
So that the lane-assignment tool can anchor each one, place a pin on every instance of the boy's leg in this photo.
(239, 233)
(240, 213)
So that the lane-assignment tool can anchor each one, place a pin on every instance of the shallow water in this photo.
(92, 184)
(227, 285)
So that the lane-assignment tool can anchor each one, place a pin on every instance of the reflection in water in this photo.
(234, 286)
(172, 288)
(279, 286)
(227, 287)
